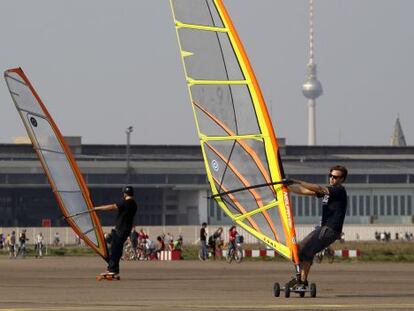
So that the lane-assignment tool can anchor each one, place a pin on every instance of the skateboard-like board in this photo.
(108, 277)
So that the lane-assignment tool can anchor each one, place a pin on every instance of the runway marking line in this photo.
(255, 307)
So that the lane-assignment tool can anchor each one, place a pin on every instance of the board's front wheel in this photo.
(276, 289)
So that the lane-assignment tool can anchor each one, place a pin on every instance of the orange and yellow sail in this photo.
(239, 146)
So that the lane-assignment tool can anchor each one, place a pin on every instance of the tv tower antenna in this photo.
(312, 88)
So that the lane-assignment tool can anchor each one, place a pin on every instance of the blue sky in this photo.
(101, 66)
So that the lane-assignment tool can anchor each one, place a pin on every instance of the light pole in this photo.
(128, 137)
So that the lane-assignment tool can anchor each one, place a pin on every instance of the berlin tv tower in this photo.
(312, 88)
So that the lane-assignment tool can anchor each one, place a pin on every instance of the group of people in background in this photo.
(398, 236)
(139, 246)
(214, 243)
(16, 246)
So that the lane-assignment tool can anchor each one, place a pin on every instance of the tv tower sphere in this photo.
(312, 88)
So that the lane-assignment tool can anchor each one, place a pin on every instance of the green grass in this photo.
(392, 251)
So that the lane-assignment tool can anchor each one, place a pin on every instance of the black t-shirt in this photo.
(203, 234)
(334, 208)
(125, 218)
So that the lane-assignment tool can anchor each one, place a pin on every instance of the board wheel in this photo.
(276, 289)
(313, 290)
(287, 290)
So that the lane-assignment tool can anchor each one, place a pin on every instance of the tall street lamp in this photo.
(128, 137)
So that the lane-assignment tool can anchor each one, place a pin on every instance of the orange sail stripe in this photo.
(240, 207)
(243, 180)
(245, 146)
(252, 191)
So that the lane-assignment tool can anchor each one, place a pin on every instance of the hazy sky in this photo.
(102, 65)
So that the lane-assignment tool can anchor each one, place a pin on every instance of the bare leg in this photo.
(305, 265)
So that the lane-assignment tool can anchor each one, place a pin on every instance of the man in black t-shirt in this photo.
(203, 241)
(127, 208)
(334, 204)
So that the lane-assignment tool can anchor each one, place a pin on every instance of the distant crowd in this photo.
(139, 245)
(398, 236)
(16, 246)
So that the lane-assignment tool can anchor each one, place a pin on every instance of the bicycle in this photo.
(39, 250)
(327, 252)
(235, 254)
(21, 250)
(129, 253)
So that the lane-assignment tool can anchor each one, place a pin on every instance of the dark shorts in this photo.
(316, 241)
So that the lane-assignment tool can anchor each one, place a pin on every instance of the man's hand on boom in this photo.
(303, 187)
(108, 207)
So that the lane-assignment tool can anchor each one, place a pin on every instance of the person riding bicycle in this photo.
(232, 240)
(22, 243)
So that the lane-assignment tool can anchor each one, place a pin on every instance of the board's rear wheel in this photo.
(313, 290)
(287, 290)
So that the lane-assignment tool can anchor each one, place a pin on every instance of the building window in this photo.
(313, 178)
(389, 210)
(348, 210)
(171, 207)
(314, 206)
(402, 205)
(388, 179)
(395, 205)
(367, 205)
(356, 179)
(319, 204)
(409, 209)
(354, 206)
(375, 203)
(382, 205)
(361, 205)
(294, 208)
(306, 202)
(300, 199)
(212, 207)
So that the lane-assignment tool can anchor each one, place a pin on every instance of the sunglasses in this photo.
(334, 176)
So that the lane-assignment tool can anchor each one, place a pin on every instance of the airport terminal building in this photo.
(171, 184)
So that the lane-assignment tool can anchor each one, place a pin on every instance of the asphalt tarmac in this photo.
(69, 283)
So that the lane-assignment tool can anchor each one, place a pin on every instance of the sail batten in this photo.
(67, 183)
(236, 135)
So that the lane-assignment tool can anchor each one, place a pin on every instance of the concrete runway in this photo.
(68, 283)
